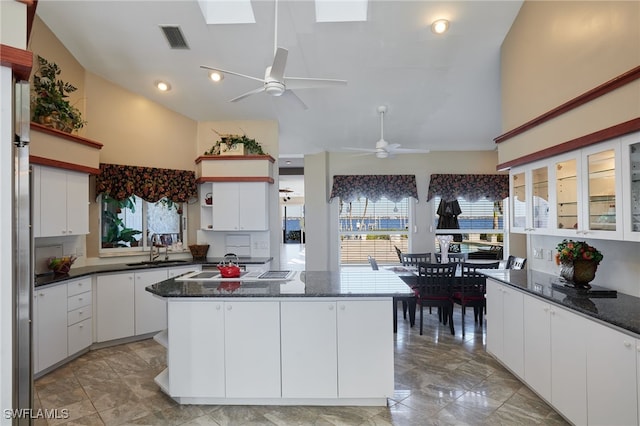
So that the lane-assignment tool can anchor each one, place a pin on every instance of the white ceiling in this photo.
(442, 92)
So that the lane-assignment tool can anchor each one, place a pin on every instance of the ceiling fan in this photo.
(383, 148)
(274, 82)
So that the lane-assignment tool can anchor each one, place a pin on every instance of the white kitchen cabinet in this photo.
(79, 315)
(505, 325)
(196, 349)
(569, 365)
(612, 397)
(50, 331)
(252, 349)
(630, 151)
(238, 206)
(115, 308)
(365, 344)
(537, 346)
(309, 349)
(61, 202)
(530, 201)
(150, 311)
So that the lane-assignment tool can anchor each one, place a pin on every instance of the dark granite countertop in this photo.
(364, 283)
(83, 271)
(611, 307)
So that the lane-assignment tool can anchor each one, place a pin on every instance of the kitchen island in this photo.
(316, 338)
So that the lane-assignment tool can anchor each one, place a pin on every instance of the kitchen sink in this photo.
(157, 262)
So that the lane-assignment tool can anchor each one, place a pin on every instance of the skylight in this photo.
(227, 11)
(341, 10)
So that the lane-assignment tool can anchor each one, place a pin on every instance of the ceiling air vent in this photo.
(174, 37)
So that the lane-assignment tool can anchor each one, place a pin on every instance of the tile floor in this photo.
(440, 380)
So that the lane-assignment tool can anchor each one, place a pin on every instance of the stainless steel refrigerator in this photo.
(23, 276)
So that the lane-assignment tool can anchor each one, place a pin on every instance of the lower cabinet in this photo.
(50, 331)
(62, 322)
(309, 349)
(505, 325)
(271, 350)
(115, 304)
(150, 311)
(589, 372)
(612, 388)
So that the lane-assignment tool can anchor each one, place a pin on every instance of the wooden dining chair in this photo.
(471, 289)
(398, 252)
(434, 290)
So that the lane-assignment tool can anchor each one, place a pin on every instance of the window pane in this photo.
(121, 222)
(373, 229)
(164, 219)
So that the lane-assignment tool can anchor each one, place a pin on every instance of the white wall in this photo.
(619, 270)
(323, 244)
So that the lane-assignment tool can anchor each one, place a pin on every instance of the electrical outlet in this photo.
(548, 255)
(537, 253)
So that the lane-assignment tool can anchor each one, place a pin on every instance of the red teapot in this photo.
(227, 268)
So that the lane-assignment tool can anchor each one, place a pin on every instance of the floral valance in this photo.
(374, 187)
(149, 183)
(469, 187)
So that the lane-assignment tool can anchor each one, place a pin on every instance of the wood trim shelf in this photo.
(603, 89)
(68, 136)
(234, 157)
(34, 159)
(577, 143)
(234, 179)
(19, 60)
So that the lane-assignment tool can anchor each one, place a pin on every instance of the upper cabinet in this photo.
(60, 202)
(593, 192)
(630, 147)
(530, 202)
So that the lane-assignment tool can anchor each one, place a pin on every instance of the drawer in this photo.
(79, 314)
(78, 286)
(79, 300)
(79, 336)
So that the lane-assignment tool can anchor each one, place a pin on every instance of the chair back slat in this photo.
(435, 279)
(452, 257)
(412, 259)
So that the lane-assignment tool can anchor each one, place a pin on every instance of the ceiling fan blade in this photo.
(244, 95)
(410, 150)
(312, 83)
(293, 98)
(232, 73)
(279, 63)
(361, 149)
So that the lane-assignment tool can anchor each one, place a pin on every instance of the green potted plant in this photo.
(115, 233)
(250, 144)
(49, 103)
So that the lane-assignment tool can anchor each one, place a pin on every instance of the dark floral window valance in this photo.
(374, 187)
(469, 187)
(149, 183)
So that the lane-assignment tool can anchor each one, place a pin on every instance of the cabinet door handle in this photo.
(229, 307)
(342, 307)
(331, 307)
(218, 307)
(81, 326)
(80, 313)
(627, 344)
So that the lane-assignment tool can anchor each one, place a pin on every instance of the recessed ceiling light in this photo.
(216, 76)
(163, 86)
(440, 26)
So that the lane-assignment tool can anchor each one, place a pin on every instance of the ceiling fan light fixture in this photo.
(274, 88)
(440, 26)
(382, 153)
(216, 76)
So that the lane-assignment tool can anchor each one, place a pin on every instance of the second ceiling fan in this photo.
(385, 149)
(274, 82)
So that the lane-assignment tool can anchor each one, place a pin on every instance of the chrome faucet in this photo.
(153, 239)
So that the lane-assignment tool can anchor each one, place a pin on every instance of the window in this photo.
(481, 225)
(127, 225)
(373, 228)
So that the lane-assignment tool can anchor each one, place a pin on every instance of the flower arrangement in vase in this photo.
(578, 262)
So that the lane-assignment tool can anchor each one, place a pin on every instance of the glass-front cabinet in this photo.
(630, 148)
(530, 203)
(602, 191)
(567, 194)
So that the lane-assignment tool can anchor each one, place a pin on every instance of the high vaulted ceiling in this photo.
(442, 91)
